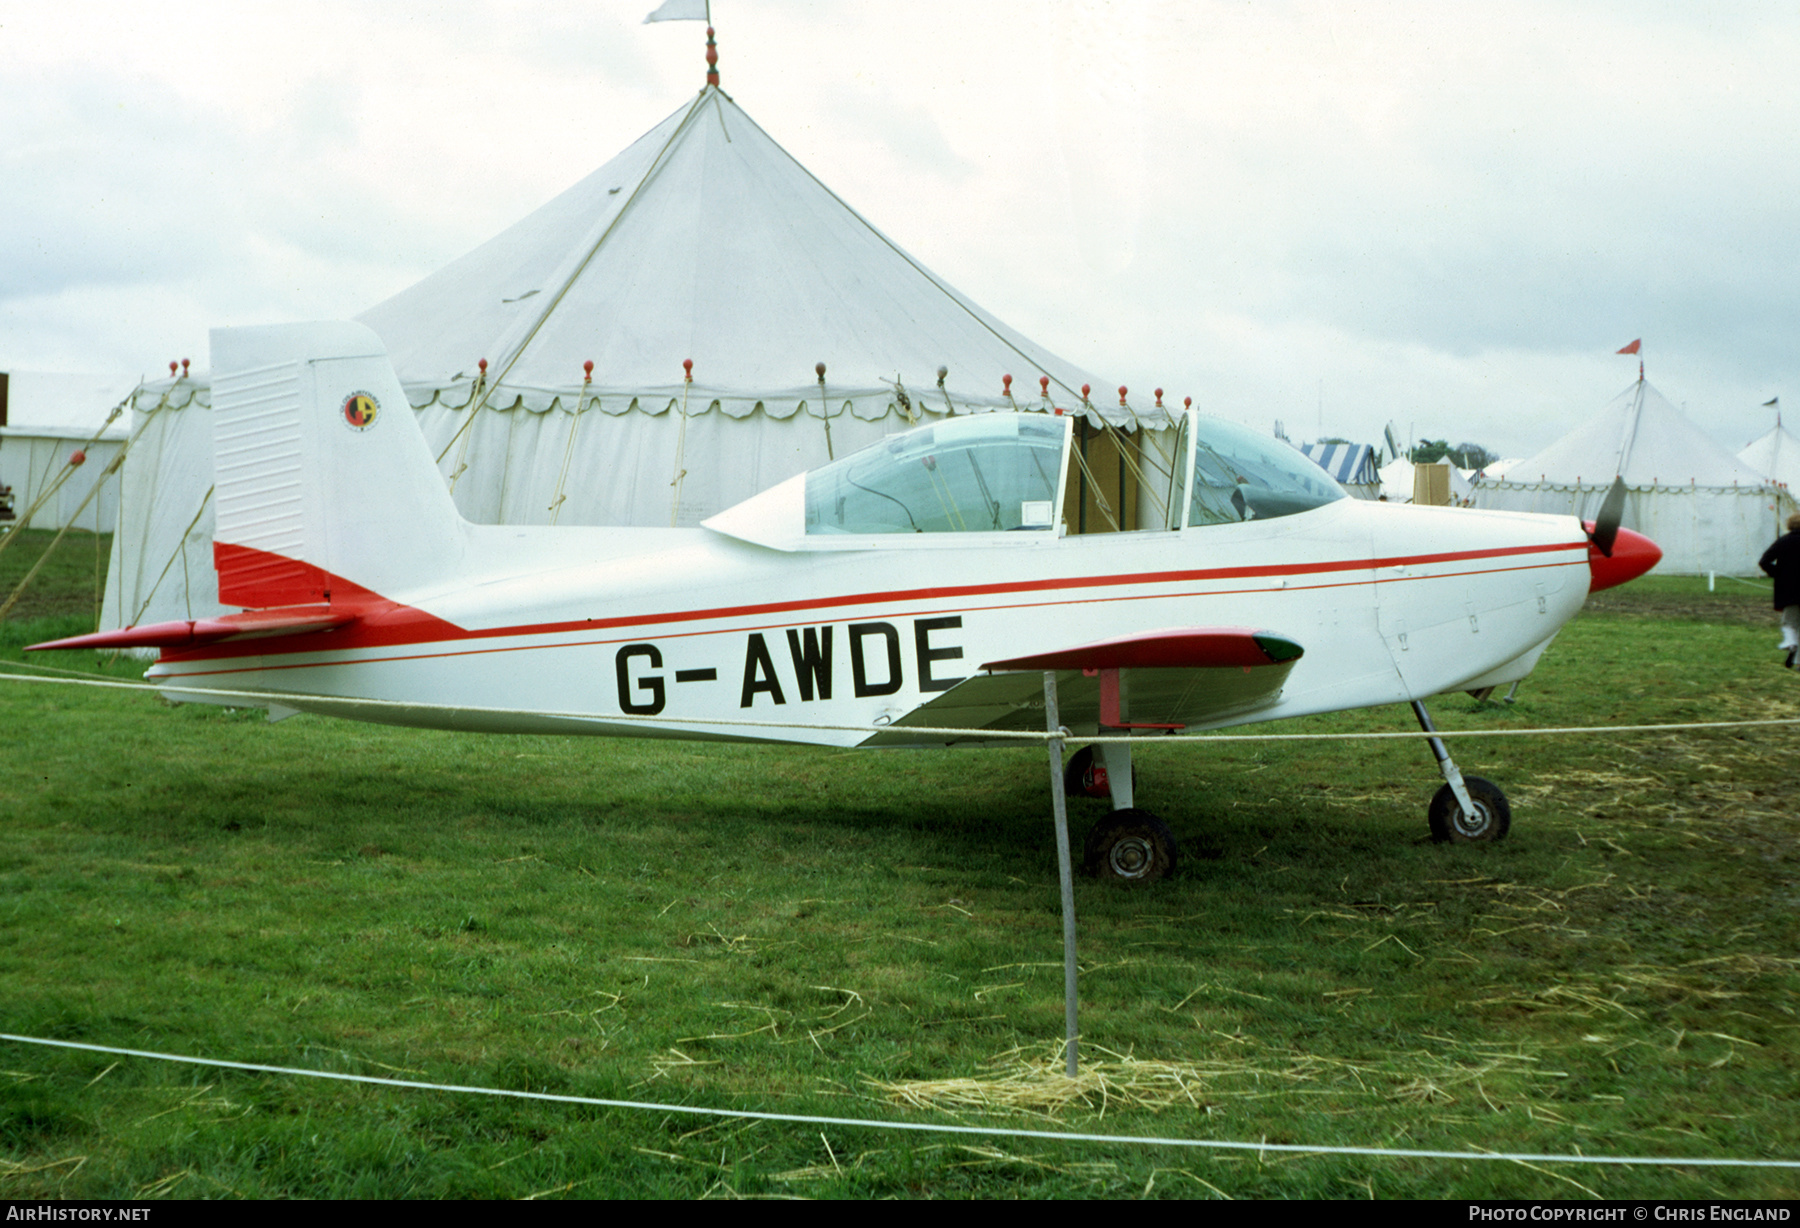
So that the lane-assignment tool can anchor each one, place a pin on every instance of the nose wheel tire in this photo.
(1130, 846)
(1491, 820)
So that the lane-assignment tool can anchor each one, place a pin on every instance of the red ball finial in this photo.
(77, 457)
(687, 370)
(172, 365)
(587, 371)
(1084, 392)
(1187, 402)
(712, 58)
(1006, 385)
(1121, 394)
(1044, 385)
(184, 365)
(483, 365)
(1159, 403)
(819, 370)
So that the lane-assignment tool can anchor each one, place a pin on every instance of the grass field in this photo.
(876, 935)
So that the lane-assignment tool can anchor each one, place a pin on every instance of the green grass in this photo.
(780, 929)
(69, 583)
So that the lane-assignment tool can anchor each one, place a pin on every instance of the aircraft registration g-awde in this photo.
(912, 594)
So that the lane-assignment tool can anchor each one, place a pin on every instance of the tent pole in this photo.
(824, 410)
(1064, 871)
(681, 442)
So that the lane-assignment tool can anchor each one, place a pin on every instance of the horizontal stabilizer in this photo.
(182, 633)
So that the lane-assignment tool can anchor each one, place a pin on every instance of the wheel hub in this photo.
(1471, 826)
(1130, 857)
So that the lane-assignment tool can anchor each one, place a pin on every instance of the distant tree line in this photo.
(1462, 455)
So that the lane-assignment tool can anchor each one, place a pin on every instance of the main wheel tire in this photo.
(1491, 821)
(1130, 846)
(1085, 776)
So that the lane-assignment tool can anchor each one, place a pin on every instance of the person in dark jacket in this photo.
(1782, 561)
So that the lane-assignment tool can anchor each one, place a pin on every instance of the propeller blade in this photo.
(1606, 525)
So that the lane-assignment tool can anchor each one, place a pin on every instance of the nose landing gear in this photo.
(1467, 809)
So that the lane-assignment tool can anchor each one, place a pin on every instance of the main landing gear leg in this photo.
(1466, 808)
(1117, 758)
(1128, 845)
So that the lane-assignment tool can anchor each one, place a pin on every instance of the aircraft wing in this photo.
(1178, 678)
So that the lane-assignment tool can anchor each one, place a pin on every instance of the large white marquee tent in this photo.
(1691, 497)
(1776, 456)
(809, 332)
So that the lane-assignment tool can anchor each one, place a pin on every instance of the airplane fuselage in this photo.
(686, 632)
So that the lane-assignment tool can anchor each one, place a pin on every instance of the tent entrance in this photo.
(1103, 488)
(1122, 481)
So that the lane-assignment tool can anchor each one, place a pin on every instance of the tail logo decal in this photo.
(360, 409)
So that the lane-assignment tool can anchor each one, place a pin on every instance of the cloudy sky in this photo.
(1444, 215)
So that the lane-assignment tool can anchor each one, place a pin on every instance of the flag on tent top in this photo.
(1630, 349)
(680, 10)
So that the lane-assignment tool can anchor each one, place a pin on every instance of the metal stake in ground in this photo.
(1065, 872)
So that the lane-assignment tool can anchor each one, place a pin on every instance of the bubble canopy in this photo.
(1006, 473)
(986, 473)
(1240, 475)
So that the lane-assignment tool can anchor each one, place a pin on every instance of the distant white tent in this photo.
(1398, 477)
(1397, 480)
(45, 421)
(1691, 497)
(1351, 465)
(809, 332)
(1776, 456)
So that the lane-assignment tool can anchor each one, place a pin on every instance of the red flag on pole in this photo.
(1633, 347)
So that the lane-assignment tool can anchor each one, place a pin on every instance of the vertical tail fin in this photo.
(321, 470)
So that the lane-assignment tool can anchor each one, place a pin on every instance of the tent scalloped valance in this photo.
(171, 394)
(868, 407)
(1684, 488)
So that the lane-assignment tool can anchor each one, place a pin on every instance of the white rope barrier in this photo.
(257, 698)
(909, 1126)
(302, 701)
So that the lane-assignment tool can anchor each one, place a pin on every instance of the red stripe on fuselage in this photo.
(391, 625)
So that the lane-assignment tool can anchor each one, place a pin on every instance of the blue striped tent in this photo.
(1353, 466)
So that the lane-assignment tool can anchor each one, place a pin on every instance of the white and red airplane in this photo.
(913, 594)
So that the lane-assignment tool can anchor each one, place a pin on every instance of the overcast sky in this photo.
(1444, 215)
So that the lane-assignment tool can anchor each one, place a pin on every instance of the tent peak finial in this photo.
(712, 58)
